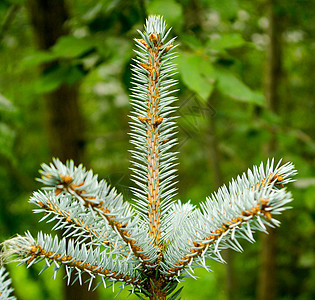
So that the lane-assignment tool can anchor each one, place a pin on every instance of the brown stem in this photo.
(156, 288)
(158, 295)
(153, 121)
(153, 141)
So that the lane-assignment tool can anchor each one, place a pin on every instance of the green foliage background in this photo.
(221, 63)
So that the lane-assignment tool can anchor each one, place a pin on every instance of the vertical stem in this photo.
(160, 297)
(156, 291)
(152, 126)
(153, 141)
(151, 100)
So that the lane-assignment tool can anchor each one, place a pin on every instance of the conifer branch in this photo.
(5, 288)
(249, 204)
(97, 198)
(77, 224)
(81, 258)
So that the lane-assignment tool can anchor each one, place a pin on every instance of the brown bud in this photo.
(145, 66)
(74, 186)
(143, 119)
(158, 121)
(279, 178)
(154, 38)
(58, 191)
(142, 42)
(168, 48)
(66, 178)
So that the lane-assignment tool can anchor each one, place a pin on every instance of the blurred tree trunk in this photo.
(267, 289)
(192, 14)
(214, 157)
(64, 121)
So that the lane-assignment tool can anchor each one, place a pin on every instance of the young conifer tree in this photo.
(152, 244)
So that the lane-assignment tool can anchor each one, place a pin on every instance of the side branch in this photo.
(36, 251)
(6, 290)
(247, 205)
(65, 253)
(117, 226)
(263, 208)
(72, 219)
(96, 202)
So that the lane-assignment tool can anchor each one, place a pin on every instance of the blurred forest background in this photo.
(246, 93)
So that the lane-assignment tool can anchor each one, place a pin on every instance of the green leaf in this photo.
(6, 104)
(309, 197)
(38, 58)
(231, 86)
(59, 75)
(227, 41)
(197, 73)
(48, 82)
(228, 9)
(66, 47)
(70, 46)
(73, 74)
(7, 136)
(191, 41)
(170, 10)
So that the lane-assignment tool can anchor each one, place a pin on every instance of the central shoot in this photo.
(153, 126)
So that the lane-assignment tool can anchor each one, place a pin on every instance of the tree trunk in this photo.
(64, 121)
(268, 275)
(215, 161)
